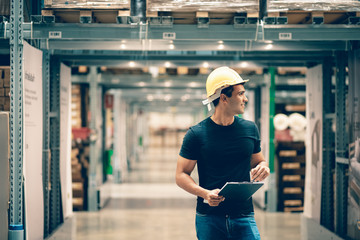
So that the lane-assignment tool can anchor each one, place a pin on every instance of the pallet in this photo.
(213, 17)
(63, 15)
(291, 71)
(311, 17)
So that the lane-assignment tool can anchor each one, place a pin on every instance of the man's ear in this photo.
(223, 97)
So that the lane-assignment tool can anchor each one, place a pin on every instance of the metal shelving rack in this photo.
(98, 44)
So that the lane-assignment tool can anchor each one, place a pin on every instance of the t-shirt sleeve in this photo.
(190, 146)
(257, 147)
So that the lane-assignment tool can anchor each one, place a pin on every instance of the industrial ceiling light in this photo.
(167, 64)
(150, 98)
(269, 46)
(171, 46)
(167, 84)
(205, 64)
(122, 46)
(244, 64)
(220, 42)
(193, 84)
(141, 84)
(185, 97)
(132, 64)
(221, 46)
(167, 97)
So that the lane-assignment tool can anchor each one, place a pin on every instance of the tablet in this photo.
(239, 190)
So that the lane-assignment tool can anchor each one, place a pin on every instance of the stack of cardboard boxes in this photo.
(79, 168)
(4, 88)
(75, 106)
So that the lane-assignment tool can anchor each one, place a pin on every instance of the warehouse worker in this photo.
(225, 148)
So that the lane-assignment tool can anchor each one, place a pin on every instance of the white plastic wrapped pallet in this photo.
(84, 4)
(313, 5)
(198, 5)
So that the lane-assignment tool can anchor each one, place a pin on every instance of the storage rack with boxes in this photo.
(4, 88)
(271, 41)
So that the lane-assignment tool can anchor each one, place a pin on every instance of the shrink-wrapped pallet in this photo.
(85, 4)
(203, 6)
(313, 5)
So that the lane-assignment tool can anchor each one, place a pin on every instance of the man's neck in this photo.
(222, 119)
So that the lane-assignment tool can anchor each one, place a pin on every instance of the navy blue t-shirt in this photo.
(223, 154)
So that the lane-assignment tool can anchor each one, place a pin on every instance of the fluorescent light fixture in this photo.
(168, 84)
(220, 42)
(167, 64)
(167, 97)
(185, 97)
(192, 84)
(171, 46)
(269, 46)
(132, 64)
(221, 47)
(150, 98)
(122, 46)
(244, 64)
(205, 64)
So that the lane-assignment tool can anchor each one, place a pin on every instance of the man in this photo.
(225, 149)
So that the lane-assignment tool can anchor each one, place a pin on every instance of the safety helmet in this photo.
(218, 79)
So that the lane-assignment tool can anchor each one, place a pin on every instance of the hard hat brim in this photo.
(217, 93)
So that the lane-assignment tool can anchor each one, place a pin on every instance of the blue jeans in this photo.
(214, 227)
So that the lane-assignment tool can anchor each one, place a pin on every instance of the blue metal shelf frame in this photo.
(327, 193)
(55, 192)
(341, 149)
(16, 223)
(46, 139)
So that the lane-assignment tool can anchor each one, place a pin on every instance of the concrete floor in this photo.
(149, 206)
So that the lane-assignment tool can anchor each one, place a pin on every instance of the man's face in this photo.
(238, 100)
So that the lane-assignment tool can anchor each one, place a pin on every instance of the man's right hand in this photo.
(213, 198)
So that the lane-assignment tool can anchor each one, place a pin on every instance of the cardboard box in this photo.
(7, 92)
(6, 76)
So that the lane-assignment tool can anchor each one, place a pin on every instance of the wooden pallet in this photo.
(309, 17)
(291, 174)
(96, 15)
(214, 17)
(291, 71)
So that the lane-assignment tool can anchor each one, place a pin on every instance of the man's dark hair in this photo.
(227, 91)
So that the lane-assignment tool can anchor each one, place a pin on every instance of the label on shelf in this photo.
(169, 35)
(55, 34)
(285, 36)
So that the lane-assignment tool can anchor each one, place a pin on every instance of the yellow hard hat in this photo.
(220, 78)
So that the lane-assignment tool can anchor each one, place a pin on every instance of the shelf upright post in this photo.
(56, 216)
(272, 190)
(16, 213)
(327, 189)
(94, 156)
(341, 143)
(46, 135)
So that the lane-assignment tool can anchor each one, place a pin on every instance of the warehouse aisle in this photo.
(151, 207)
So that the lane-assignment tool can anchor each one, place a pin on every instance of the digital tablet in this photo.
(239, 190)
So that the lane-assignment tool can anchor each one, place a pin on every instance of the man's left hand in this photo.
(259, 173)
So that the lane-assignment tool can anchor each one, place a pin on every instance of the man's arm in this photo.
(186, 182)
(259, 167)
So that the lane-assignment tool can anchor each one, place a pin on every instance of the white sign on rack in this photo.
(33, 142)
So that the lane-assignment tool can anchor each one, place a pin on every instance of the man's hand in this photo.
(213, 198)
(259, 173)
